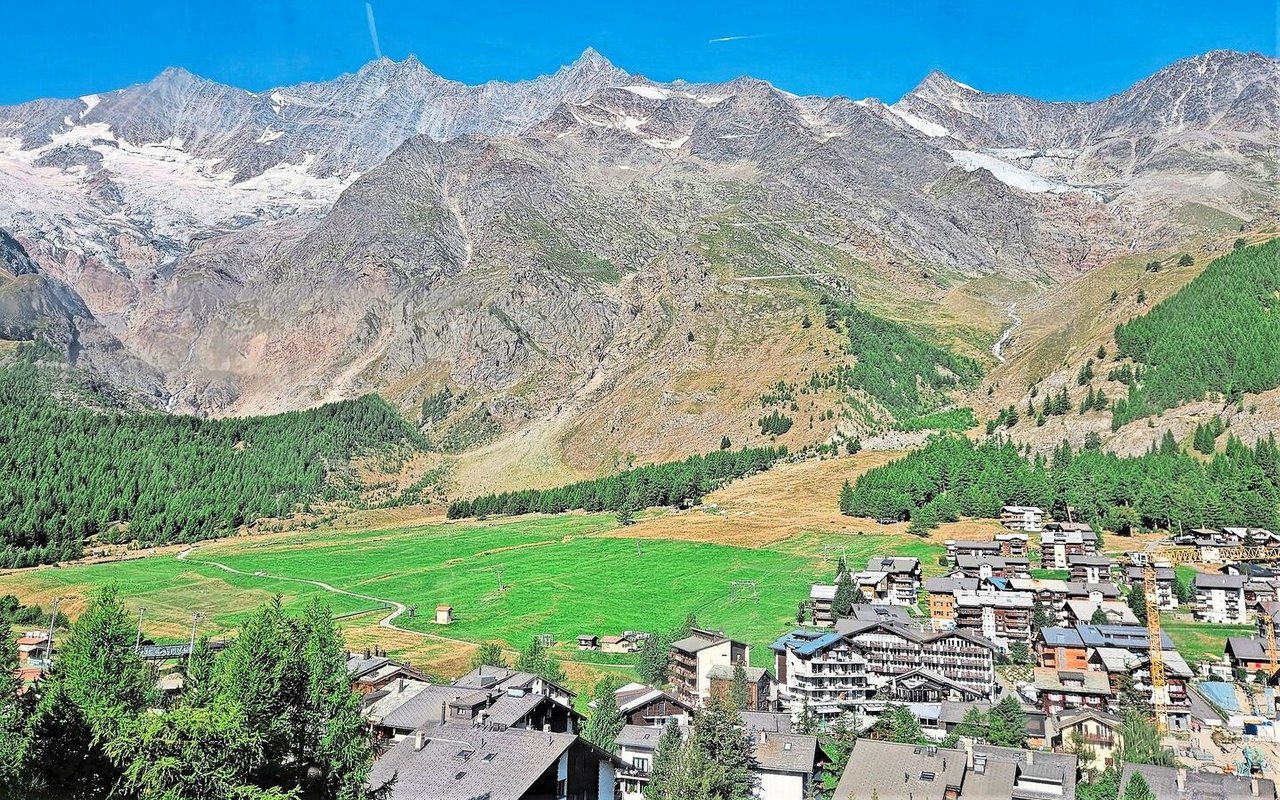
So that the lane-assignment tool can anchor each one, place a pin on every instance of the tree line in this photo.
(271, 717)
(70, 472)
(667, 484)
(1217, 334)
(952, 476)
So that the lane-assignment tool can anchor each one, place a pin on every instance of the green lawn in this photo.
(1051, 574)
(559, 577)
(1200, 640)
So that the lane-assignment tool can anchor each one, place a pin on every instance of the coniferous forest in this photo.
(1217, 334)
(953, 476)
(669, 484)
(69, 472)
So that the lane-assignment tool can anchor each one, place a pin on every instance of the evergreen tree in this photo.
(654, 659)
(1106, 787)
(1137, 788)
(897, 724)
(536, 660)
(1137, 600)
(1141, 742)
(719, 733)
(666, 757)
(807, 723)
(1008, 723)
(15, 713)
(846, 596)
(1099, 617)
(488, 654)
(605, 721)
(740, 689)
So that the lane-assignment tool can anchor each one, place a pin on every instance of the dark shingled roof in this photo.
(1198, 785)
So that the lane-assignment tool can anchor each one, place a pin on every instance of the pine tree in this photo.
(536, 660)
(15, 713)
(845, 598)
(1008, 723)
(718, 731)
(605, 721)
(1137, 788)
(666, 757)
(740, 689)
(488, 654)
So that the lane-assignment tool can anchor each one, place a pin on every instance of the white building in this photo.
(1220, 599)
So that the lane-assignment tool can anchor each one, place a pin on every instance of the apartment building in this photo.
(1089, 569)
(821, 596)
(1061, 540)
(942, 594)
(693, 657)
(1123, 666)
(1221, 599)
(1000, 617)
(1060, 690)
(824, 671)
(987, 566)
(1022, 518)
(891, 580)
(893, 649)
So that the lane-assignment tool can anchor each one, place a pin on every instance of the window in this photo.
(640, 763)
(562, 789)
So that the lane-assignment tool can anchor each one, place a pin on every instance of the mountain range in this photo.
(590, 266)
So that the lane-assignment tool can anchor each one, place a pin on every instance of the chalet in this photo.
(1060, 540)
(761, 686)
(785, 765)
(1123, 666)
(903, 578)
(892, 771)
(637, 745)
(588, 641)
(942, 593)
(1061, 648)
(693, 657)
(643, 705)
(615, 644)
(486, 696)
(926, 686)
(371, 672)
(1177, 783)
(32, 646)
(1166, 595)
(966, 547)
(1098, 730)
(1059, 690)
(455, 761)
(1089, 569)
(821, 596)
(1115, 611)
(1093, 592)
(1022, 518)
(1248, 653)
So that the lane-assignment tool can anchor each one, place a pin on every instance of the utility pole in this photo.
(195, 618)
(137, 641)
(53, 617)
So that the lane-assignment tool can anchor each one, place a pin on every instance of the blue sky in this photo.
(1055, 51)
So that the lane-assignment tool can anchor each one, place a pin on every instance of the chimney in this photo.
(546, 727)
(1253, 785)
(1181, 776)
(399, 685)
(366, 653)
(443, 705)
(1031, 757)
(418, 741)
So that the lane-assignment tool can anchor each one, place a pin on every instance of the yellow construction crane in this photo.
(1269, 620)
(1159, 688)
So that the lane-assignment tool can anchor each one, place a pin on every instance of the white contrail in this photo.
(734, 38)
(373, 30)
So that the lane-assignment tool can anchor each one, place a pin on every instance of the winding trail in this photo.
(997, 349)
(397, 608)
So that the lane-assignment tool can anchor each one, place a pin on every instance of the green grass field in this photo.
(1200, 640)
(560, 576)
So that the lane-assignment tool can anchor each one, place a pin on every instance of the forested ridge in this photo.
(69, 472)
(1219, 333)
(899, 370)
(667, 484)
(952, 476)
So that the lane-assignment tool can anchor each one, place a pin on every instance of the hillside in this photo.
(569, 274)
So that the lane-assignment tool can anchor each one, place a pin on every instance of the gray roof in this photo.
(1247, 648)
(895, 771)
(695, 643)
(725, 672)
(1038, 774)
(770, 721)
(639, 737)
(785, 752)
(1205, 580)
(459, 761)
(950, 585)
(892, 564)
(423, 707)
(1198, 785)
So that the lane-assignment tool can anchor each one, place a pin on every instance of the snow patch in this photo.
(923, 125)
(1013, 176)
(667, 144)
(277, 101)
(966, 86)
(90, 102)
(268, 136)
(651, 92)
